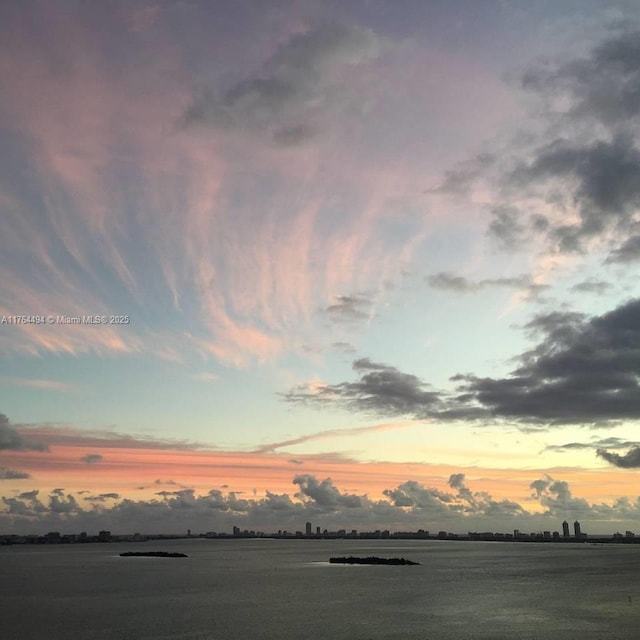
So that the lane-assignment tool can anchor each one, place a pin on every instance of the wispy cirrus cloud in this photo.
(34, 383)
(331, 433)
(233, 241)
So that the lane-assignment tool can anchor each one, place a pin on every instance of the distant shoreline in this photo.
(15, 539)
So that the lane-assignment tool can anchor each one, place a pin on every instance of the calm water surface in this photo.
(275, 589)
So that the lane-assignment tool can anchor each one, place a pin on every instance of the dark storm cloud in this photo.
(10, 474)
(350, 308)
(10, 439)
(381, 389)
(573, 176)
(92, 458)
(293, 88)
(557, 325)
(602, 177)
(629, 460)
(507, 227)
(603, 85)
(627, 252)
(583, 371)
(589, 155)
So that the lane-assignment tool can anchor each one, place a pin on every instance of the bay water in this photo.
(266, 589)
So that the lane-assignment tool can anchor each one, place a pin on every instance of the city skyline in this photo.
(341, 262)
(55, 537)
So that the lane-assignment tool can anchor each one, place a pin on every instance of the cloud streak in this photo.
(629, 460)
(12, 440)
(446, 281)
(380, 390)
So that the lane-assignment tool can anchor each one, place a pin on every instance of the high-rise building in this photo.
(565, 529)
(308, 529)
(576, 530)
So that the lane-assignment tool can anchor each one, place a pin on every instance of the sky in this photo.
(367, 264)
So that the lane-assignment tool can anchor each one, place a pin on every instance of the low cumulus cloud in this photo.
(324, 493)
(556, 497)
(291, 95)
(409, 506)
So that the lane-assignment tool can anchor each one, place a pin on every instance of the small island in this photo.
(371, 560)
(153, 554)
